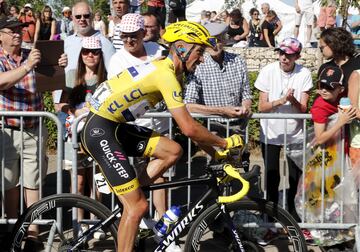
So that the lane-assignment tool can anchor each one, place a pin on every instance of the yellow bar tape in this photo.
(230, 171)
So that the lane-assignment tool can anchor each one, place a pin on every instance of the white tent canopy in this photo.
(193, 10)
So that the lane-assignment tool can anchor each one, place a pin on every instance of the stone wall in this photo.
(257, 57)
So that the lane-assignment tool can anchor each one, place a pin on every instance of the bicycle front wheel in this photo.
(59, 231)
(260, 224)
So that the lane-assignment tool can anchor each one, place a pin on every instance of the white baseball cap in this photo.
(132, 22)
(65, 9)
(28, 5)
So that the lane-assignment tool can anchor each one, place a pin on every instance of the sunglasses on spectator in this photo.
(85, 16)
(132, 36)
(256, 14)
(330, 87)
(86, 51)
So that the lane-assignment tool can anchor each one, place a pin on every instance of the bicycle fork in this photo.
(234, 232)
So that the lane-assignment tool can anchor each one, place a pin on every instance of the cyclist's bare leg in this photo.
(159, 198)
(135, 207)
(167, 153)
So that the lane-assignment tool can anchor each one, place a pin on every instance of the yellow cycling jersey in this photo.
(135, 90)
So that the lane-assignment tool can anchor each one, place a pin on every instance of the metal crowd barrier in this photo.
(75, 148)
(59, 159)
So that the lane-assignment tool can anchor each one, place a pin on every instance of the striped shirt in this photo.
(22, 96)
(215, 85)
(116, 40)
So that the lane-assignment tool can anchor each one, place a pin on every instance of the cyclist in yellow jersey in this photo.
(109, 139)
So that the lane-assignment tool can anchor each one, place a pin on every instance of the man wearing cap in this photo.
(20, 137)
(66, 26)
(135, 51)
(220, 86)
(26, 17)
(284, 88)
(121, 7)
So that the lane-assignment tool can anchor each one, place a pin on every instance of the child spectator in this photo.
(66, 26)
(330, 91)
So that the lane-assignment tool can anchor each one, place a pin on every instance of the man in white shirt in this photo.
(284, 88)
(304, 8)
(135, 51)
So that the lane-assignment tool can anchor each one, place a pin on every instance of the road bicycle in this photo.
(216, 222)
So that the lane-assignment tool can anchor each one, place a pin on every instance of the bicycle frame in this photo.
(196, 210)
(210, 196)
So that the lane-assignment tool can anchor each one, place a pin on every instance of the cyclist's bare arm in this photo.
(195, 130)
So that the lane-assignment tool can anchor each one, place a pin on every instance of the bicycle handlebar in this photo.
(230, 171)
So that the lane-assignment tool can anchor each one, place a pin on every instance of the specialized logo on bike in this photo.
(141, 146)
(97, 132)
(134, 95)
(112, 160)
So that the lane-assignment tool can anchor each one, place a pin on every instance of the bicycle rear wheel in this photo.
(210, 232)
(62, 234)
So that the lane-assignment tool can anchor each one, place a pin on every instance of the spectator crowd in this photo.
(98, 48)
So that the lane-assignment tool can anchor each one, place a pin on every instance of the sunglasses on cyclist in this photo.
(86, 51)
(85, 16)
(213, 41)
(329, 86)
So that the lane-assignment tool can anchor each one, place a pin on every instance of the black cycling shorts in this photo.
(110, 143)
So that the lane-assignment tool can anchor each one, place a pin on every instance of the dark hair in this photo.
(151, 14)
(236, 16)
(78, 93)
(253, 10)
(81, 70)
(42, 16)
(340, 42)
(4, 9)
(15, 7)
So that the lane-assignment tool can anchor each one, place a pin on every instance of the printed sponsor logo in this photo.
(180, 227)
(110, 157)
(130, 97)
(141, 146)
(177, 96)
(124, 190)
(97, 132)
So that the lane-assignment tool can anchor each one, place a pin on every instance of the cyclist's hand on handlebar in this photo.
(234, 141)
(221, 155)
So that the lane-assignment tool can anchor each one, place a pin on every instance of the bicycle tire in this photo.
(209, 233)
(46, 209)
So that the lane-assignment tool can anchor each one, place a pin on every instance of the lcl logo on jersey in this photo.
(97, 132)
(141, 146)
(177, 96)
